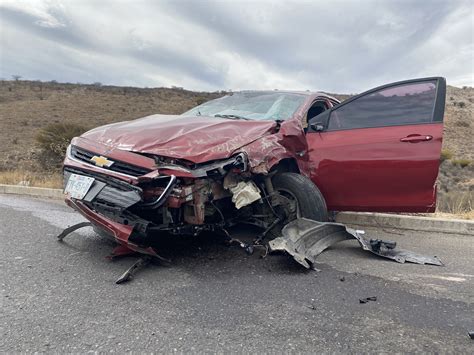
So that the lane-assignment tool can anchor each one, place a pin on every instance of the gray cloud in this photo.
(334, 46)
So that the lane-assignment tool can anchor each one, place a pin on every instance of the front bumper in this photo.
(120, 232)
(114, 191)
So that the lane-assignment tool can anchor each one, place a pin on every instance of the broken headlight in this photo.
(237, 164)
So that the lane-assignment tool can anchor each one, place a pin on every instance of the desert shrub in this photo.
(201, 100)
(456, 202)
(446, 154)
(461, 104)
(462, 124)
(54, 139)
(462, 162)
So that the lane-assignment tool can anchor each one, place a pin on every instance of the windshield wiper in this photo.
(233, 117)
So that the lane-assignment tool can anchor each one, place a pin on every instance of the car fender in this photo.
(288, 142)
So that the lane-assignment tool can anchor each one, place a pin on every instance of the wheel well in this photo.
(288, 165)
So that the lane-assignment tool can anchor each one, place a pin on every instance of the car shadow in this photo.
(194, 254)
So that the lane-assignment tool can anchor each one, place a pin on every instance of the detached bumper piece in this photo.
(305, 239)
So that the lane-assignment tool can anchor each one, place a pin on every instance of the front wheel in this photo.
(300, 198)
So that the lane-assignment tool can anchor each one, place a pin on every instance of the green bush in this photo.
(201, 100)
(462, 124)
(462, 162)
(55, 138)
(446, 154)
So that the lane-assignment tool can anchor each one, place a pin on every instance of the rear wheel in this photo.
(299, 198)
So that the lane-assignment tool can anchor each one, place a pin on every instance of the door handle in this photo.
(415, 138)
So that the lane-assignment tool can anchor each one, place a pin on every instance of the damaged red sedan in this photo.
(262, 158)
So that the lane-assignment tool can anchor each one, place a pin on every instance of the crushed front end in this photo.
(132, 196)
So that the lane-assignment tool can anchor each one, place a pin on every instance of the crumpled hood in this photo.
(197, 139)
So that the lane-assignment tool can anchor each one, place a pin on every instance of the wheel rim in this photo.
(290, 208)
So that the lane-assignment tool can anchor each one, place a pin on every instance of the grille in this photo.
(117, 166)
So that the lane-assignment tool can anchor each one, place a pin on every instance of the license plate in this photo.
(78, 186)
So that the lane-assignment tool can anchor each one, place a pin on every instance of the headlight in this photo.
(237, 163)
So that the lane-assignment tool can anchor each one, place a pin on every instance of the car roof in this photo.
(308, 93)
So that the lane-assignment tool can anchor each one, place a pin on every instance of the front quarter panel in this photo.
(266, 152)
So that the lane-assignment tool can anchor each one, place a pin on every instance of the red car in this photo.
(260, 157)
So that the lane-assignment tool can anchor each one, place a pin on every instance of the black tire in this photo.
(310, 201)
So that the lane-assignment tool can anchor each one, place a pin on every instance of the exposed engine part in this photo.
(244, 193)
(219, 167)
(164, 195)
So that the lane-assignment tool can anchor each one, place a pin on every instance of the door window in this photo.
(404, 104)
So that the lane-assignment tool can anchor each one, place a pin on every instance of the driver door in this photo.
(380, 150)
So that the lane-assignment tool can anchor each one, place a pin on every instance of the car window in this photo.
(396, 105)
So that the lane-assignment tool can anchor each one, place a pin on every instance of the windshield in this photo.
(251, 105)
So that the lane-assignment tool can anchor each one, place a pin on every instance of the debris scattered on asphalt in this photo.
(305, 239)
(72, 228)
(367, 299)
(132, 270)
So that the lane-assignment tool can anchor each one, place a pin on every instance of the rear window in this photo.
(397, 105)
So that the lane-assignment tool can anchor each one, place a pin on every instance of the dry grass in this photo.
(464, 215)
(27, 178)
(456, 202)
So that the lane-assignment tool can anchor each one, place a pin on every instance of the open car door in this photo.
(380, 150)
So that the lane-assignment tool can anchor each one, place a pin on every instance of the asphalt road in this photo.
(61, 297)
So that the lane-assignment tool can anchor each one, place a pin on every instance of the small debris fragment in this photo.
(471, 335)
(312, 307)
(367, 299)
(72, 228)
(131, 271)
(342, 278)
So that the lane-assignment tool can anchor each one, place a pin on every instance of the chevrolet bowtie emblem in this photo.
(101, 161)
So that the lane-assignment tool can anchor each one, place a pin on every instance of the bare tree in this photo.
(16, 77)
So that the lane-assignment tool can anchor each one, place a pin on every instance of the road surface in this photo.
(61, 297)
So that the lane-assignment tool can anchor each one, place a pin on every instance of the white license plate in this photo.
(78, 186)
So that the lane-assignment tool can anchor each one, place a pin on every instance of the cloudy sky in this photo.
(337, 46)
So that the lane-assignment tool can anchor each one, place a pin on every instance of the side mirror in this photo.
(317, 126)
(319, 122)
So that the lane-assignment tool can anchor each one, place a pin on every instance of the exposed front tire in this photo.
(301, 196)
